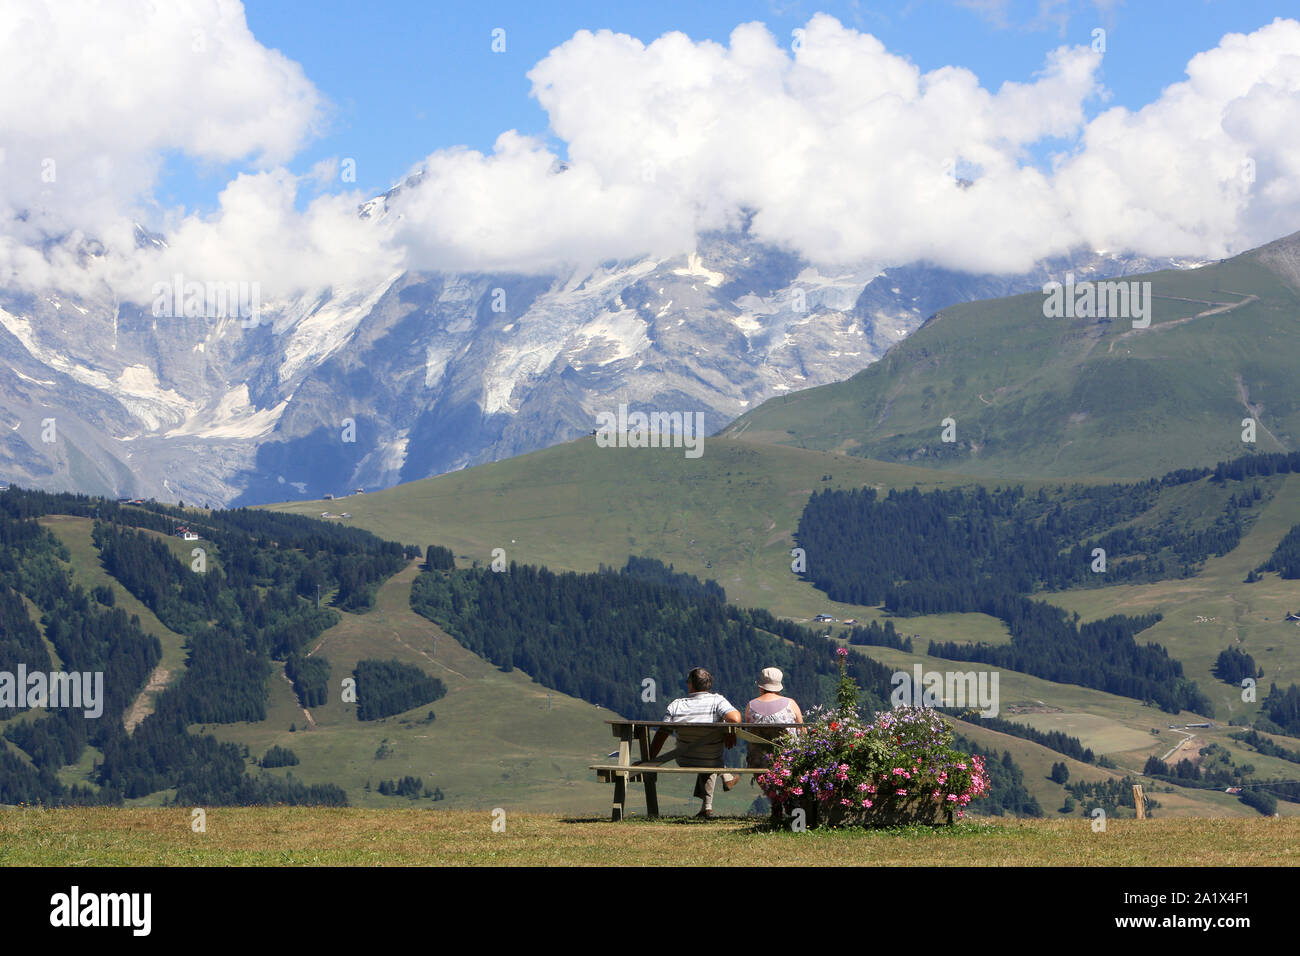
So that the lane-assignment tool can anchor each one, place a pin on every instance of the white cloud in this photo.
(842, 151)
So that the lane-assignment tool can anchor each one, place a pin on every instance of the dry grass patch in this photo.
(287, 836)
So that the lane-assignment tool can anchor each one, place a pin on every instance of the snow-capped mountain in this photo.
(426, 373)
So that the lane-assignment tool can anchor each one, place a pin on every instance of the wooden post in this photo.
(624, 734)
(649, 779)
(1139, 801)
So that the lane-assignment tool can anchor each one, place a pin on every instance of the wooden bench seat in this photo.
(606, 773)
(647, 773)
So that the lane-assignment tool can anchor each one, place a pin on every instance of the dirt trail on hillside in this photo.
(311, 722)
(1219, 309)
(1255, 410)
(429, 657)
(142, 706)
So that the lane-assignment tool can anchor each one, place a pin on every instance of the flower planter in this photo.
(902, 766)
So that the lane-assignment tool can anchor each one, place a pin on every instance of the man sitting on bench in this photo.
(700, 747)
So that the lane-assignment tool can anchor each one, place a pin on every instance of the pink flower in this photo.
(866, 803)
(842, 651)
(797, 791)
(861, 787)
(952, 797)
(901, 793)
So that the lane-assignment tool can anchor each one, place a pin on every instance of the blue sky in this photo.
(227, 134)
(405, 77)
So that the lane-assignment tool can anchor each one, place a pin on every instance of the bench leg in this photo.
(620, 797)
(650, 779)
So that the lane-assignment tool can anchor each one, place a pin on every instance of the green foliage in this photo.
(846, 691)
(88, 637)
(437, 558)
(1266, 746)
(412, 788)
(1285, 559)
(1232, 665)
(944, 551)
(310, 676)
(874, 635)
(385, 688)
(1060, 772)
(1110, 795)
(651, 569)
(1007, 793)
(1260, 800)
(279, 757)
(1282, 708)
(259, 600)
(597, 636)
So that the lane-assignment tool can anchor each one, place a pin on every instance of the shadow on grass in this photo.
(764, 825)
(692, 820)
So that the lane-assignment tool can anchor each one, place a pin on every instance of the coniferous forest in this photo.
(997, 552)
(254, 603)
(600, 636)
(385, 688)
(1285, 559)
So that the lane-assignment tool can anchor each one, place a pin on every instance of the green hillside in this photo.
(731, 515)
(500, 739)
(1036, 396)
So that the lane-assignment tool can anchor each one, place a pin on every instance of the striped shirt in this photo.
(702, 707)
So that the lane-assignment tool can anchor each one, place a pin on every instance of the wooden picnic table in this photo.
(646, 771)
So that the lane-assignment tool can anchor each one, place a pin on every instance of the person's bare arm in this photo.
(732, 717)
(798, 714)
(662, 734)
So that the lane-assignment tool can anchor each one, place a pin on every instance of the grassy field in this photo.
(316, 837)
